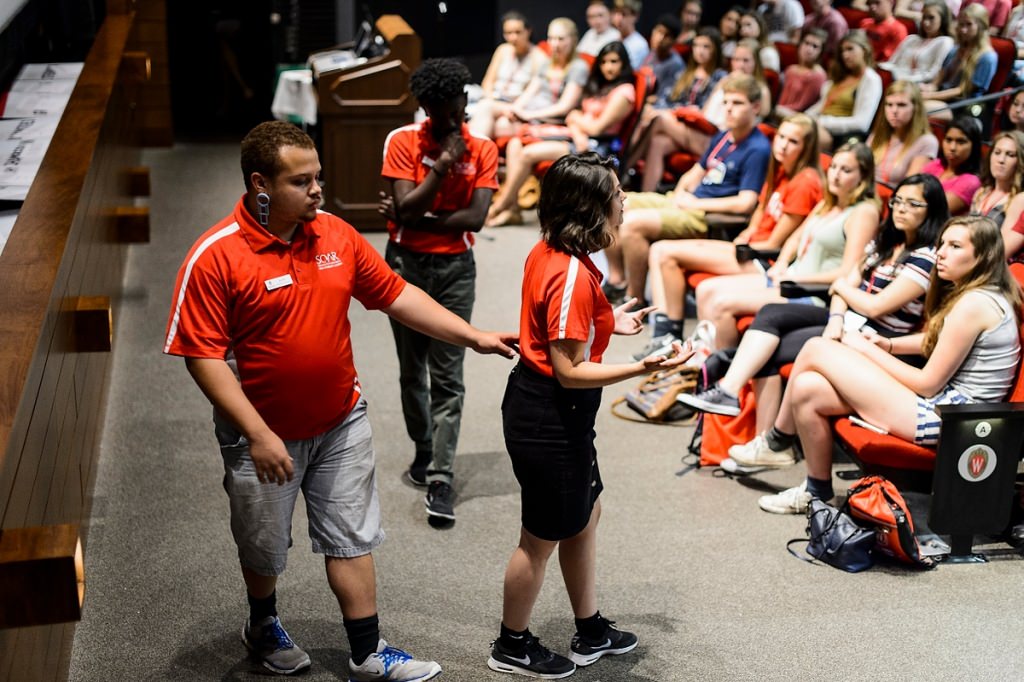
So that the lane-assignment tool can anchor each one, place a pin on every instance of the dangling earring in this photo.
(263, 208)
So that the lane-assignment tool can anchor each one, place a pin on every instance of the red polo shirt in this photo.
(283, 309)
(409, 154)
(798, 196)
(562, 299)
(885, 36)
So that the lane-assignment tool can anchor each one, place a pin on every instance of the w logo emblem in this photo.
(977, 463)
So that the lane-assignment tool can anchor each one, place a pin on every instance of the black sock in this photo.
(820, 488)
(363, 635)
(513, 640)
(591, 628)
(661, 325)
(779, 440)
(262, 608)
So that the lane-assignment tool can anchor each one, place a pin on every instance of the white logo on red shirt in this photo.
(325, 261)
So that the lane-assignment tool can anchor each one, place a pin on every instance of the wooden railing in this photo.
(60, 282)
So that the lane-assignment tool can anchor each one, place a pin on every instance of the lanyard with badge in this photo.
(716, 166)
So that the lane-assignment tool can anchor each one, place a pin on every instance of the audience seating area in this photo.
(902, 461)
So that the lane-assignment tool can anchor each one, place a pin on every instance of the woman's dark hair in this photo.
(945, 17)
(689, 74)
(739, 10)
(889, 236)
(596, 83)
(513, 15)
(438, 81)
(576, 197)
(971, 127)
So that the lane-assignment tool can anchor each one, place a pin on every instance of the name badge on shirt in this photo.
(278, 282)
(715, 175)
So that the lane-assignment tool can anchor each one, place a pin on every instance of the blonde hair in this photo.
(755, 51)
(969, 62)
(882, 132)
(569, 26)
(990, 272)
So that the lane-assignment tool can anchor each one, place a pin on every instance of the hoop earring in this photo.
(263, 208)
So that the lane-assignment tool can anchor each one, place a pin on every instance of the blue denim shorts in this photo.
(335, 472)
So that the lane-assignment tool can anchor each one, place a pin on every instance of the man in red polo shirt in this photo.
(884, 30)
(442, 178)
(260, 313)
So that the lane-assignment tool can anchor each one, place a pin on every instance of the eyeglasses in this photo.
(896, 202)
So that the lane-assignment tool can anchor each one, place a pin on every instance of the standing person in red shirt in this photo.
(549, 410)
(884, 30)
(442, 178)
(260, 314)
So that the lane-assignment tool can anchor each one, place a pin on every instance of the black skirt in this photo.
(549, 435)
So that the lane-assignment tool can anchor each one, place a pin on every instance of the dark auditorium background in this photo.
(205, 35)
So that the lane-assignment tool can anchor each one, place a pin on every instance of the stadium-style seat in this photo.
(787, 54)
(906, 464)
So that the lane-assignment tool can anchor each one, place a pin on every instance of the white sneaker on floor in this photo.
(756, 453)
(792, 501)
(392, 665)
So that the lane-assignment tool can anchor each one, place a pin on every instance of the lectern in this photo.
(359, 106)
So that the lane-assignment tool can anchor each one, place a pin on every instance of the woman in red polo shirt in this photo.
(549, 410)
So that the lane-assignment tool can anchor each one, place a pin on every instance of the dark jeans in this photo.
(430, 371)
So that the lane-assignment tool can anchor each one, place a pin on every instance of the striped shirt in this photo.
(916, 267)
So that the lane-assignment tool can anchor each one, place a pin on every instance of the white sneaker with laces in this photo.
(392, 665)
(792, 501)
(756, 453)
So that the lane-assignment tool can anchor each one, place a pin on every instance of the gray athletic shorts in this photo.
(334, 471)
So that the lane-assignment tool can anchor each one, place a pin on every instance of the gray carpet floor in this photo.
(685, 558)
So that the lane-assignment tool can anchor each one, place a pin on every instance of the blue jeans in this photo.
(430, 371)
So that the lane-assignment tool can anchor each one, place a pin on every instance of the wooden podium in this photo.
(359, 106)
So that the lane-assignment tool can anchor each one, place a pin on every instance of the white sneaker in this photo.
(392, 665)
(729, 464)
(756, 453)
(792, 501)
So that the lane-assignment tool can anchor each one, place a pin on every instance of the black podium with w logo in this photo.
(975, 468)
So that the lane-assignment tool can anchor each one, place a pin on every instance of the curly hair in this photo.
(438, 81)
(261, 148)
(575, 201)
